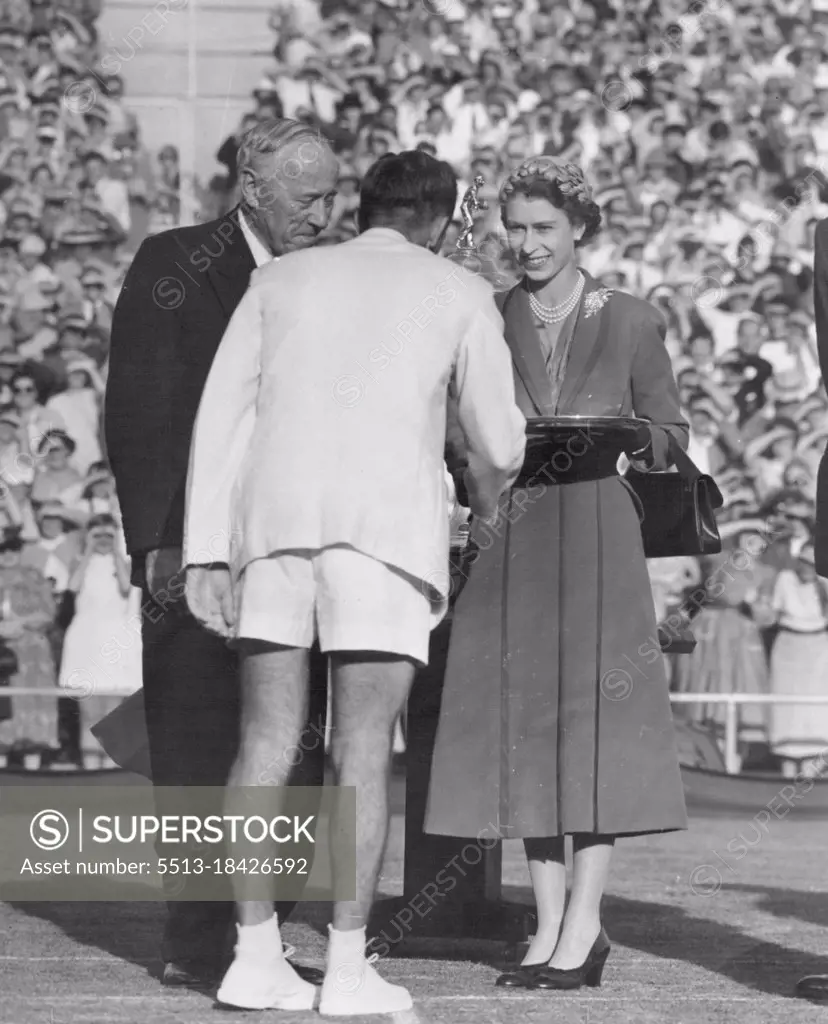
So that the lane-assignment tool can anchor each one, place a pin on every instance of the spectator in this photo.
(798, 606)
(80, 409)
(28, 609)
(102, 648)
(57, 546)
(55, 479)
(35, 419)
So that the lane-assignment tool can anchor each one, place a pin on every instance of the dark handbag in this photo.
(677, 510)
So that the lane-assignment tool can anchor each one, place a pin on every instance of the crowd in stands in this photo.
(78, 193)
(704, 129)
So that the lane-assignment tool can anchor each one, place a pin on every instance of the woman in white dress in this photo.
(102, 649)
(80, 409)
(799, 660)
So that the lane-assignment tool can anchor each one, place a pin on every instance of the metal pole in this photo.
(733, 762)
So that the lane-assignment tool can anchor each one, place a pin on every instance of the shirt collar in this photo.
(258, 251)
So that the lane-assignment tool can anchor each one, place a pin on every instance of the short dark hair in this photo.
(102, 519)
(407, 186)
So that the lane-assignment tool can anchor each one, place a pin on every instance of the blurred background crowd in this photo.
(703, 127)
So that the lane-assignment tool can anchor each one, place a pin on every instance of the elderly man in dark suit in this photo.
(176, 302)
(815, 986)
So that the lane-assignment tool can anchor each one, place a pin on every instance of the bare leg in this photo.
(582, 921)
(547, 869)
(274, 682)
(369, 691)
(368, 696)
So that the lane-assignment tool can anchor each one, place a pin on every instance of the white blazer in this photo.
(323, 420)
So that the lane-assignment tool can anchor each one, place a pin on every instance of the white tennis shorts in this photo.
(342, 597)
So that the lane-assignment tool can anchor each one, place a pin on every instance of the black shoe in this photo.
(310, 974)
(814, 987)
(521, 977)
(589, 973)
(191, 974)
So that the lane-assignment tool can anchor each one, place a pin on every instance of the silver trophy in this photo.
(471, 204)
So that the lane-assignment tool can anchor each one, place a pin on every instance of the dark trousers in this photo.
(191, 696)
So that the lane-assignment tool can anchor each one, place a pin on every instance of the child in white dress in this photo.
(101, 661)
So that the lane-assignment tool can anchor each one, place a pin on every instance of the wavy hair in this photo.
(563, 185)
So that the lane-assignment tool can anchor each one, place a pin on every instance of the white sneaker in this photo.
(265, 984)
(355, 989)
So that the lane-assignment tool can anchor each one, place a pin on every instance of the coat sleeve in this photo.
(456, 457)
(655, 394)
(222, 434)
(455, 452)
(492, 425)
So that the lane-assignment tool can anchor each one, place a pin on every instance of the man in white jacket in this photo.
(317, 487)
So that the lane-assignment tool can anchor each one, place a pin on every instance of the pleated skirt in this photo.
(555, 715)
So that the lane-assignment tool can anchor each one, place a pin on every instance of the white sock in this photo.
(260, 941)
(346, 947)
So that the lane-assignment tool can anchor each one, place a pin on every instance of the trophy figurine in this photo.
(470, 205)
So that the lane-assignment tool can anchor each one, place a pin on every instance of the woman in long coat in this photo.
(556, 716)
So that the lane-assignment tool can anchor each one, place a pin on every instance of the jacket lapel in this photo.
(217, 254)
(229, 272)
(587, 327)
(524, 344)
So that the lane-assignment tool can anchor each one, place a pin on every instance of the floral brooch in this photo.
(595, 301)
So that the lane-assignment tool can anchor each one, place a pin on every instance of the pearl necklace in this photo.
(556, 314)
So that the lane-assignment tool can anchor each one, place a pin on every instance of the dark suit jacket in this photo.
(176, 302)
(821, 313)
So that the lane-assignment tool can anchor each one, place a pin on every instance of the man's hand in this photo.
(161, 567)
(209, 594)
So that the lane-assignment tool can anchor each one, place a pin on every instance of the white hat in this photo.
(81, 363)
(32, 244)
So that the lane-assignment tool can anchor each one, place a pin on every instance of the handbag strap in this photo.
(688, 470)
(681, 460)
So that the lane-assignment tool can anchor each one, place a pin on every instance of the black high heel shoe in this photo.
(589, 973)
(523, 976)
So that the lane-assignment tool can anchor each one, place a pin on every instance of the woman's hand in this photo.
(639, 449)
(641, 439)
